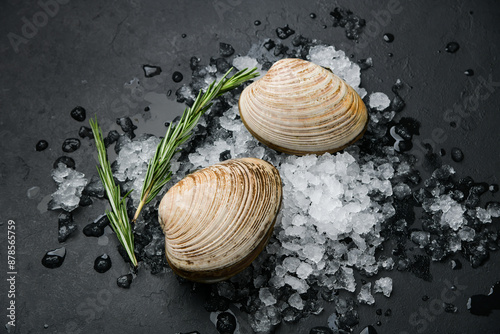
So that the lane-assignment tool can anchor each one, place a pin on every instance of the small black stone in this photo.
(365, 63)
(320, 330)
(78, 113)
(124, 281)
(41, 145)
(456, 264)
(66, 226)
(111, 138)
(452, 47)
(69, 162)
(85, 200)
(469, 72)
(226, 155)
(151, 70)
(269, 44)
(389, 38)
(456, 154)
(370, 329)
(177, 76)
(146, 108)
(102, 263)
(257, 22)
(71, 145)
(225, 50)
(226, 323)
(96, 228)
(85, 132)
(285, 32)
(54, 258)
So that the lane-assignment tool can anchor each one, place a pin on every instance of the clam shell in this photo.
(301, 108)
(219, 218)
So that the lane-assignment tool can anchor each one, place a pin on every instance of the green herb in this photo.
(158, 173)
(118, 215)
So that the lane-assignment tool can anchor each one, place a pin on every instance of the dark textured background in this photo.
(85, 53)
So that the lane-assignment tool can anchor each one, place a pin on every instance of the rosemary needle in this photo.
(118, 215)
(158, 173)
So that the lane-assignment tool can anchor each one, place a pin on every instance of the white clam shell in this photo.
(301, 108)
(218, 219)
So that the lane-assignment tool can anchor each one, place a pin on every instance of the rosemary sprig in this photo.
(158, 173)
(118, 215)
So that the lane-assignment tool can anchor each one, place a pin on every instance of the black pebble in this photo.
(226, 155)
(146, 108)
(177, 76)
(320, 330)
(389, 38)
(456, 264)
(66, 226)
(285, 32)
(226, 323)
(370, 329)
(484, 304)
(151, 71)
(96, 228)
(452, 47)
(456, 154)
(78, 114)
(226, 50)
(124, 281)
(111, 138)
(69, 162)
(102, 263)
(269, 44)
(85, 132)
(54, 258)
(71, 145)
(469, 72)
(41, 145)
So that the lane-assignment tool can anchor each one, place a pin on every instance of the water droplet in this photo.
(54, 258)
(425, 298)
(71, 145)
(389, 38)
(41, 145)
(493, 188)
(456, 154)
(257, 22)
(469, 72)
(146, 108)
(453, 124)
(324, 26)
(151, 71)
(388, 312)
(452, 47)
(102, 263)
(183, 35)
(379, 323)
(442, 152)
(177, 76)
(33, 192)
(390, 54)
(312, 15)
(45, 326)
(378, 311)
(124, 281)
(78, 113)
(226, 50)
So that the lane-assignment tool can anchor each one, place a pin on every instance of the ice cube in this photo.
(383, 285)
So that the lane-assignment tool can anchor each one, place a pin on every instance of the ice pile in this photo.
(132, 162)
(70, 184)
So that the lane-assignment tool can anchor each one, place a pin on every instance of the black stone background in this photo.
(89, 49)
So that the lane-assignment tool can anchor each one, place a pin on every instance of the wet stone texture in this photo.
(438, 227)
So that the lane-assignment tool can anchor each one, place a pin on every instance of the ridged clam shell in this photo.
(301, 108)
(219, 218)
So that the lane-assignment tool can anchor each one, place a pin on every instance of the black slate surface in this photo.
(82, 53)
